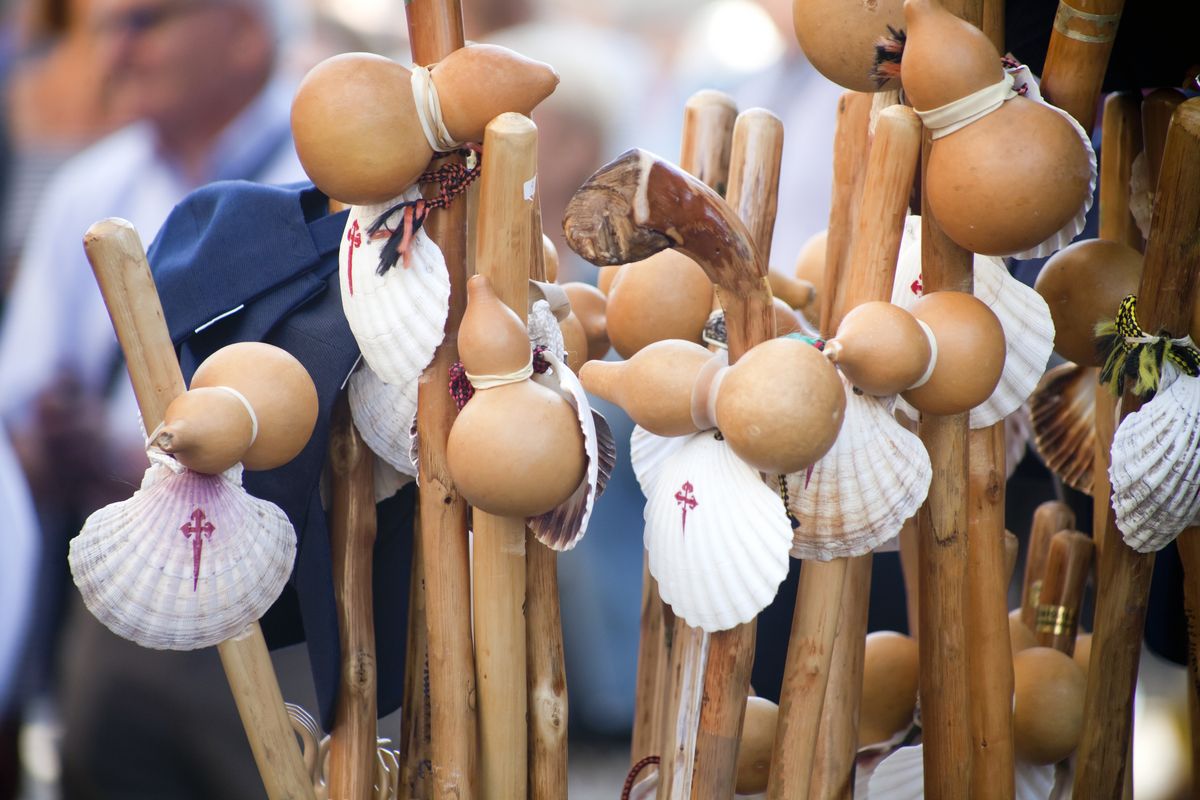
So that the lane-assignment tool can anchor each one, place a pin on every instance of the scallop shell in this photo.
(544, 330)
(1018, 432)
(1155, 468)
(1063, 412)
(187, 562)
(1024, 316)
(859, 494)
(1141, 194)
(386, 417)
(563, 526)
(397, 318)
(1024, 80)
(648, 452)
(901, 776)
(717, 536)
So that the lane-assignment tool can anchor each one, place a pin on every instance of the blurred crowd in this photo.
(122, 107)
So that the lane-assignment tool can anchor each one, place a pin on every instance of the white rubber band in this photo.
(945, 120)
(481, 382)
(924, 379)
(706, 389)
(429, 111)
(249, 410)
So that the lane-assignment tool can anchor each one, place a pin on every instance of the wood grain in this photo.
(1081, 41)
(415, 736)
(119, 265)
(435, 29)
(504, 253)
(851, 143)
(1067, 568)
(352, 532)
(1049, 518)
(1165, 296)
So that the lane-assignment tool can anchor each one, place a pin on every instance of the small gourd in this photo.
(550, 258)
(780, 406)
(1020, 637)
(654, 387)
(1048, 689)
(756, 746)
(839, 38)
(666, 296)
(1083, 284)
(207, 430)
(574, 341)
(810, 267)
(970, 353)
(891, 667)
(786, 320)
(1009, 180)
(797, 293)
(590, 306)
(356, 125)
(279, 389)
(880, 348)
(607, 278)
(516, 448)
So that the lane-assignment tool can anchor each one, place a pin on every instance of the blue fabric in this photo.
(271, 253)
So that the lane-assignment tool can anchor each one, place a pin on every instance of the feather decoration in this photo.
(1132, 356)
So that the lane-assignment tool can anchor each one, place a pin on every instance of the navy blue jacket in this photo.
(262, 261)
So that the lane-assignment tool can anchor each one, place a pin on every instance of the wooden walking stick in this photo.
(352, 747)
(1067, 568)
(415, 736)
(1077, 57)
(504, 253)
(850, 146)
(1164, 303)
(435, 29)
(628, 210)
(119, 263)
(1049, 518)
(708, 120)
(818, 702)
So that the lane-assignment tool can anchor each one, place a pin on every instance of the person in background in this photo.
(200, 79)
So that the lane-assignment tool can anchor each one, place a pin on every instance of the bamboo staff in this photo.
(1067, 569)
(352, 745)
(504, 253)
(628, 210)
(1049, 518)
(890, 167)
(121, 271)
(545, 662)
(942, 532)
(1164, 302)
(1077, 57)
(708, 119)
(435, 29)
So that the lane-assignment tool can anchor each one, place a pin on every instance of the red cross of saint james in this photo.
(686, 500)
(197, 524)
(354, 237)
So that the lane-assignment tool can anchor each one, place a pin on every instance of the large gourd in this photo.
(969, 359)
(666, 296)
(516, 448)
(1009, 180)
(839, 37)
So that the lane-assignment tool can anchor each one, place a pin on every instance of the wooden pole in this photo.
(989, 649)
(874, 246)
(352, 530)
(504, 254)
(417, 715)
(1049, 518)
(942, 525)
(1076, 60)
(435, 29)
(545, 662)
(708, 119)
(121, 271)
(1188, 544)
(1067, 569)
(1165, 298)
(852, 140)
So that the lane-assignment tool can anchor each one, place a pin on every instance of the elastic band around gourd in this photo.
(945, 120)
(706, 388)
(481, 382)
(933, 353)
(429, 111)
(249, 410)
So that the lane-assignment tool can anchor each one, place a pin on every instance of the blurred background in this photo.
(121, 107)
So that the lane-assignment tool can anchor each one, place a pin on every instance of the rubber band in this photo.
(945, 120)
(249, 410)
(933, 355)
(429, 111)
(481, 382)
(705, 390)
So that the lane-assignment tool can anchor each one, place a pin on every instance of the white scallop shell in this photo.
(398, 318)
(717, 536)
(648, 452)
(563, 526)
(543, 329)
(1155, 468)
(1023, 78)
(901, 776)
(859, 494)
(187, 562)
(1023, 314)
(386, 416)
